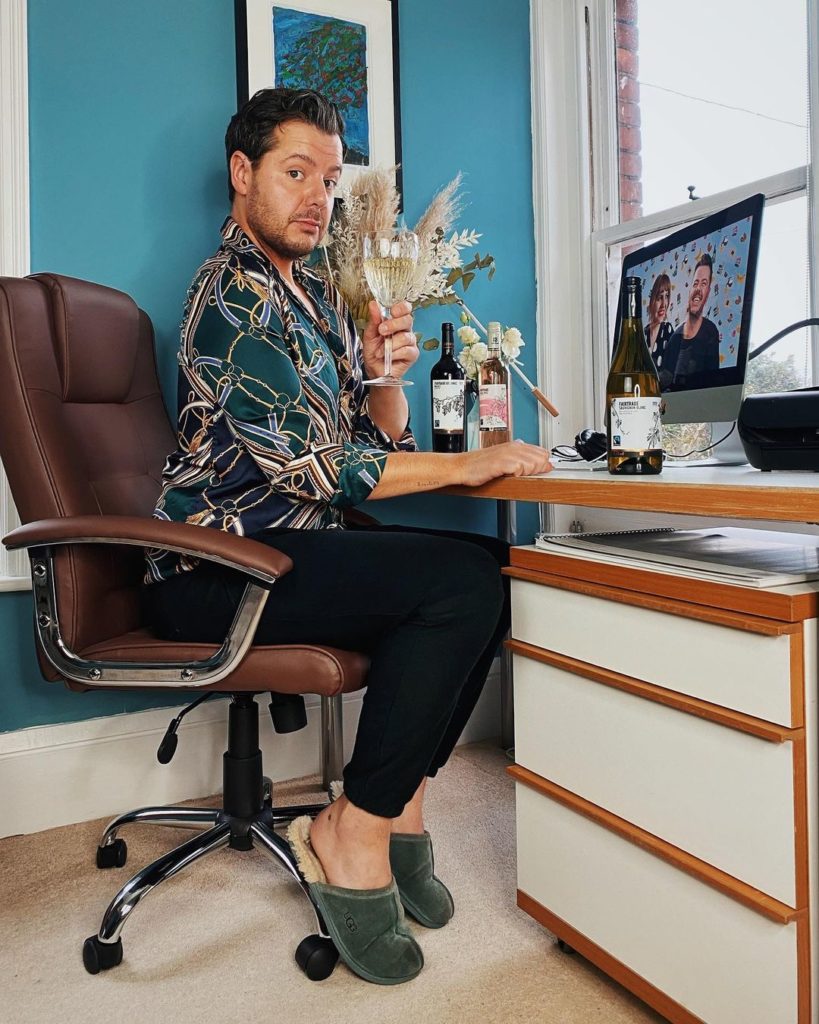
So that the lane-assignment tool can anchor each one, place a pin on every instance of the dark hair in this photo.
(705, 261)
(252, 128)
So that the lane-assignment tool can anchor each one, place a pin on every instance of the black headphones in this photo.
(591, 444)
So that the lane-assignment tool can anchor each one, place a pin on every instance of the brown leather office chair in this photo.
(83, 438)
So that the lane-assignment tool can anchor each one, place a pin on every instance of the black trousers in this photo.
(429, 608)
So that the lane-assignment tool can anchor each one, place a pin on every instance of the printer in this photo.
(781, 431)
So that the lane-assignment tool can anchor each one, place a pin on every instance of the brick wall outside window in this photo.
(628, 110)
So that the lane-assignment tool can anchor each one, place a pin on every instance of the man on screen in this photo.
(693, 348)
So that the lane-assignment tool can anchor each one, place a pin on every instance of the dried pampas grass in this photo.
(371, 203)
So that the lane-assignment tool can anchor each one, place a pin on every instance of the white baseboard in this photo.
(60, 774)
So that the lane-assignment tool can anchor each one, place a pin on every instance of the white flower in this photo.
(512, 343)
(468, 335)
(472, 356)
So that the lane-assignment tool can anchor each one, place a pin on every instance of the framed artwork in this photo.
(345, 49)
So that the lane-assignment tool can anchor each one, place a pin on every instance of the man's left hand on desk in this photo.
(515, 458)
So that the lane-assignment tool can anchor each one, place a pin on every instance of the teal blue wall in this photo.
(128, 107)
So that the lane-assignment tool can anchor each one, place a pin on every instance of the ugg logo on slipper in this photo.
(349, 920)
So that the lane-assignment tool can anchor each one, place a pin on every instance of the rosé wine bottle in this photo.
(493, 392)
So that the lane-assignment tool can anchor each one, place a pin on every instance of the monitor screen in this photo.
(697, 288)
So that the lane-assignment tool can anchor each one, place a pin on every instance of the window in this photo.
(14, 220)
(709, 96)
(709, 100)
(633, 101)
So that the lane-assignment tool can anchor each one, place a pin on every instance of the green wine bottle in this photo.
(633, 400)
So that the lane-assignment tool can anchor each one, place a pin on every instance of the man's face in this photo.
(700, 290)
(288, 196)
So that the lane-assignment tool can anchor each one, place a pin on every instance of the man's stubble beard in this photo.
(703, 304)
(271, 233)
(697, 314)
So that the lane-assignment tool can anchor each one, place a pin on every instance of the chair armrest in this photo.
(251, 557)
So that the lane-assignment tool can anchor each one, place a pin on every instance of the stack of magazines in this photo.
(751, 558)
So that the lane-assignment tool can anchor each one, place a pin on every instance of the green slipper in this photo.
(413, 867)
(367, 925)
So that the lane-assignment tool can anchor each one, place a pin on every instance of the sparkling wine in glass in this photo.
(390, 259)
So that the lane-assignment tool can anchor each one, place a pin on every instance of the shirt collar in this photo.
(233, 237)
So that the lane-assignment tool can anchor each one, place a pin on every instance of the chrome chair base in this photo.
(219, 830)
(332, 740)
(247, 819)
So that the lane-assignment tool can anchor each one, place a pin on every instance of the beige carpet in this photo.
(217, 941)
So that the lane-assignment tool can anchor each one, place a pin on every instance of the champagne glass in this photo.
(390, 259)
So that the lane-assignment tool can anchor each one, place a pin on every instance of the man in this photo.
(277, 436)
(693, 348)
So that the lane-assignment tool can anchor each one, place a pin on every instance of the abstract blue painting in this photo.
(329, 55)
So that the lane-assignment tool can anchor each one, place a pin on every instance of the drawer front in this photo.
(743, 671)
(721, 961)
(721, 795)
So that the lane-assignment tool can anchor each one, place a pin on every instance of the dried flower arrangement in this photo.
(371, 203)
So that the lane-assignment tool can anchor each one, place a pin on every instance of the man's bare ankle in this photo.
(413, 827)
(353, 846)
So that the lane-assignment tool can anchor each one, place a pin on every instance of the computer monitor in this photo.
(698, 287)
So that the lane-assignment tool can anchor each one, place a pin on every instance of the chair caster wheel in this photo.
(564, 947)
(317, 957)
(101, 956)
(112, 856)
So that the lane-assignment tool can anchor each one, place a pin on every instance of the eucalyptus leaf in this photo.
(431, 344)
(467, 280)
(491, 274)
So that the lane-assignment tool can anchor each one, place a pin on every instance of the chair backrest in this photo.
(83, 430)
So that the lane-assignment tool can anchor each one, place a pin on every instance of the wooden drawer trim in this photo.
(804, 989)
(743, 893)
(800, 821)
(659, 694)
(650, 994)
(731, 620)
(768, 603)
(798, 677)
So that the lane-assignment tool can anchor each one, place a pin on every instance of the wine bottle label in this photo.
(635, 424)
(448, 406)
(492, 407)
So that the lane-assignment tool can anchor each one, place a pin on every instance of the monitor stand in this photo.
(728, 453)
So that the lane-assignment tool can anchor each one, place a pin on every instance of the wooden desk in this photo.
(628, 760)
(736, 492)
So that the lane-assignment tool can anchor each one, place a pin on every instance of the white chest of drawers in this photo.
(665, 746)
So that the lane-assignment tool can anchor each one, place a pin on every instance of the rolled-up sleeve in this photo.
(367, 432)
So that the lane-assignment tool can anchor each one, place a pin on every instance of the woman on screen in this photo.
(658, 329)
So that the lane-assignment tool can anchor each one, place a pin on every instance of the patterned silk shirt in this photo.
(274, 428)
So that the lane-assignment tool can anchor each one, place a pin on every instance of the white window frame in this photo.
(576, 208)
(14, 219)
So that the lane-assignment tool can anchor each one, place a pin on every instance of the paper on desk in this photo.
(749, 558)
